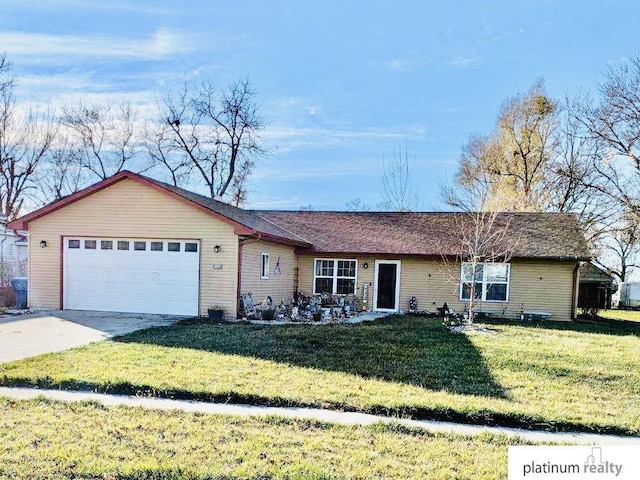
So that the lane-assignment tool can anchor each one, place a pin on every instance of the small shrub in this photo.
(588, 313)
(7, 297)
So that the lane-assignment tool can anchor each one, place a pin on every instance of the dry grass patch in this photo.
(51, 440)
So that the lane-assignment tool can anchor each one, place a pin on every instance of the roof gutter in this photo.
(242, 243)
(574, 290)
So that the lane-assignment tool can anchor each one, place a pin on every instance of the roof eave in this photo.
(313, 251)
(283, 240)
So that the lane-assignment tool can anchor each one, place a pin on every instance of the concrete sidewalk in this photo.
(330, 416)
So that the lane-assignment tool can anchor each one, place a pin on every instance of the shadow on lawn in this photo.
(409, 350)
(601, 325)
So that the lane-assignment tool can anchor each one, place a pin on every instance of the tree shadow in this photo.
(409, 350)
(600, 325)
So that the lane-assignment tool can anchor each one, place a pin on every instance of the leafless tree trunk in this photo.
(398, 188)
(209, 136)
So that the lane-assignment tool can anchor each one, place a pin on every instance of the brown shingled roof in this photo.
(239, 215)
(540, 235)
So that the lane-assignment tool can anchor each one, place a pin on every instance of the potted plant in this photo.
(216, 313)
(268, 314)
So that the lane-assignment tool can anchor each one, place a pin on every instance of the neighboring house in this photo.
(131, 243)
(597, 286)
(13, 252)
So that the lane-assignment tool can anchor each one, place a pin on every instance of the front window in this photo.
(334, 276)
(490, 281)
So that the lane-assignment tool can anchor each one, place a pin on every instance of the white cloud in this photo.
(57, 89)
(414, 60)
(312, 171)
(49, 48)
(464, 60)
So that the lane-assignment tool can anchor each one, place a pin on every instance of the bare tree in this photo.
(398, 188)
(622, 246)
(25, 137)
(108, 136)
(210, 137)
(485, 242)
(160, 147)
(357, 205)
(613, 122)
(571, 184)
(510, 164)
(61, 172)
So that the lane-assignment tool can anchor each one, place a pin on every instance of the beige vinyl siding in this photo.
(128, 209)
(278, 285)
(534, 284)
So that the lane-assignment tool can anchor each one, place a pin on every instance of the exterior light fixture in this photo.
(43, 243)
(217, 249)
(365, 265)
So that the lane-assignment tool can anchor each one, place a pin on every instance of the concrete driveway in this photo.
(23, 336)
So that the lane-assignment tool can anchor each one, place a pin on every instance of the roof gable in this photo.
(245, 223)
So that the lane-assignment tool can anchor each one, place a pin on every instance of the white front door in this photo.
(386, 289)
(131, 275)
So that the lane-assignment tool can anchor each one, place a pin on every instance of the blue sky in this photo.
(341, 83)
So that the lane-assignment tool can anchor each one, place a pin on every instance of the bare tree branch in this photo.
(398, 188)
(108, 136)
(210, 135)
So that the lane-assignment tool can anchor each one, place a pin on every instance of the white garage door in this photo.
(131, 275)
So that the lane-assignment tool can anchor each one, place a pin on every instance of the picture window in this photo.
(335, 276)
(490, 281)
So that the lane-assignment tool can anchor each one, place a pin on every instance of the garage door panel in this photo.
(144, 281)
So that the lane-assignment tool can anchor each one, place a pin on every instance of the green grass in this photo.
(626, 315)
(556, 376)
(51, 440)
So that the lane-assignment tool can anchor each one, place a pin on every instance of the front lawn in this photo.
(563, 376)
(626, 315)
(51, 440)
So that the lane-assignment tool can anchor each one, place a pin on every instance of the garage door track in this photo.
(23, 336)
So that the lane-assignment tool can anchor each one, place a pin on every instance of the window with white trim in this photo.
(264, 266)
(491, 281)
(334, 276)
